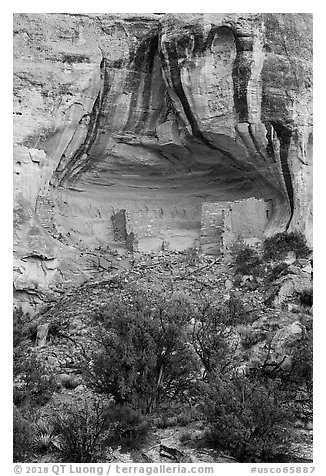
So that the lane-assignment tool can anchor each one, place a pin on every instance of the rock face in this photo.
(129, 123)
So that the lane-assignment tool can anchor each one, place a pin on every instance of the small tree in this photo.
(209, 334)
(300, 373)
(213, 332)
(247, 419)
(143, 357)
(23, 434)
(82, 430)
(23, 327)
(129, 427)
(246, 260)
(37, 385)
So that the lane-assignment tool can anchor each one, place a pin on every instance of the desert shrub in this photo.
(246, 260)
(23, 433)
(23, 327)
(186, 417)
(74, 58)
(175, 415)
(211, 327)
(44, 436)
(129, 427)
(85, 430)
(165, 421)
(237, 281)
(191, 257)
(301, 371)
(142, 356)
(251, 337)
(306, 297)
(185, 437)
(246, 418)
(19, 394)
(42, 442)
(36, 385)
(277, 247)
(32, 381)
(276, 271)
(58, 328)
(82, 430)
(237, 311)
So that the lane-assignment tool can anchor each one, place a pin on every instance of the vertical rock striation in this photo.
(146, 117)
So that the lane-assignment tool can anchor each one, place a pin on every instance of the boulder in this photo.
(307, 269)
(228, 284)
(290, 285)
(67, 381)
(80, 388)
(290, 258)
(303, 262)
(283, 343)
(293, 270)
(42, 334)
(287, 336)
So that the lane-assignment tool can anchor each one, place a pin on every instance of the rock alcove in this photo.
(132, 131)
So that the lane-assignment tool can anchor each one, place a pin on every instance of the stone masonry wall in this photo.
(224, 223)
(166, 227)
(212, 227)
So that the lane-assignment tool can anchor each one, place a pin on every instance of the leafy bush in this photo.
(276, 271)
(301, 370)
(245, 418)
(23, 433)
(165, 421)
(185, 437)
(186, 416)
(23, 327)
(32, 382)
(175, 415)
(277, 247)
(81, 430)
(306, 297)
(211, 327)
(84, 430)
(246, 260)
(143, 357)
(237, 311)
(36, 386)
(130, 427)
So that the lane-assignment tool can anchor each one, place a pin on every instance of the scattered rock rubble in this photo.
(65, 331)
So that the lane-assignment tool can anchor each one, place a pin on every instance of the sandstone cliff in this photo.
(125, 124)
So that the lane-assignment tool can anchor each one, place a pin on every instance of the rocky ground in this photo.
(63, 333)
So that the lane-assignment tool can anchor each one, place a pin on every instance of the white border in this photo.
(61, 6)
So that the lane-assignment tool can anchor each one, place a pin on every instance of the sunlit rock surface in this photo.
(127, 125)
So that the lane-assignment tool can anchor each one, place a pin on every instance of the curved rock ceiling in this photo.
(153, 114)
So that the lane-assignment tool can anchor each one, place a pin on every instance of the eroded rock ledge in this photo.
(152, 117)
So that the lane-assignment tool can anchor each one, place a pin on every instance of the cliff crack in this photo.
(284, 135)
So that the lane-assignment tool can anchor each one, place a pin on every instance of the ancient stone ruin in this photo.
(225, 223)
(211, 228)
(137, 133)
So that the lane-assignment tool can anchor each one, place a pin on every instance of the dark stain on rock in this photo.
(284, 135)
